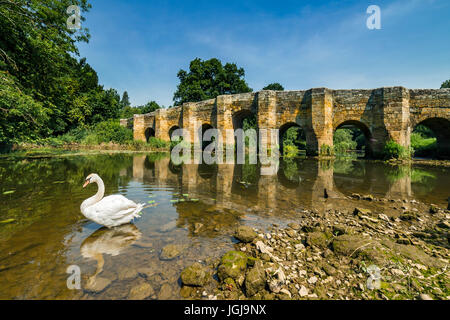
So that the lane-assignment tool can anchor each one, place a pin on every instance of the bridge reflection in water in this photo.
(299, 184)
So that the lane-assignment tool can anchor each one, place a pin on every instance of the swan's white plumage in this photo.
(110, 211)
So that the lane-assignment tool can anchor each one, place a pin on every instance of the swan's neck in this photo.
(97, 197)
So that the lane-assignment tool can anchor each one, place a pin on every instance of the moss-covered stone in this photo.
(318, 239)
(233, 265)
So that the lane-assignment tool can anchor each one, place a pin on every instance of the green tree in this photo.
(39, 64)
(208, 79)
(445, 84)
(274, 86)
(150, 107)
(125, 102)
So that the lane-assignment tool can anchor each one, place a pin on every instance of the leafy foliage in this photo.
(274, 86)
(393, 150)
(445, 84)
(209, 79)
(45, 89)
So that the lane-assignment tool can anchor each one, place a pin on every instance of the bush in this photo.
(158, 143)
(111, 130)
(392, 150)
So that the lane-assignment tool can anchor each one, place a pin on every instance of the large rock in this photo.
(195, 275)
(349, 244)
(318, 239)
(233, 265)
(255, 279)
(170, 251)
(245, 234)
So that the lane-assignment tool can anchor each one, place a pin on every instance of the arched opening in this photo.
(430, 138)
(171, 130)
(202, 130)
(149, 132)
(352, 138)
(292, 139)
(245, 120)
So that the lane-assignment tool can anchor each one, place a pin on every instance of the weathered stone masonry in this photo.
(382, 114)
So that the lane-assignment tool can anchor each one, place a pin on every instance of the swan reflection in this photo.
(108, 241)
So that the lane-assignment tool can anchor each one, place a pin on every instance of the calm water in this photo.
(196, 206)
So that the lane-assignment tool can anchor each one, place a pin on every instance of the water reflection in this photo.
(108, 241)
(198, 206)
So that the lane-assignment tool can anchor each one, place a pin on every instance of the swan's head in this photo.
(90, 178)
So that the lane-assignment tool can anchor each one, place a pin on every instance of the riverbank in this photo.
(77, 149)
(335, 254)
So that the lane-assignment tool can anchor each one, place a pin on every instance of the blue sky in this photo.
(139, 46)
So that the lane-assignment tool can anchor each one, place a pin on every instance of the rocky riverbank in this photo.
(363, 253)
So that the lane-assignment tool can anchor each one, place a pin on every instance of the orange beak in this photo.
(85, 183)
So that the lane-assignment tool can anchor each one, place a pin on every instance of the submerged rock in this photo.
(170, 251)
(141, 291)
(245, 234)
(97, 284)
(165, 293)
(195, 275)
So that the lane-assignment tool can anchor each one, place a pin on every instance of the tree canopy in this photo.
(445, 84)
(44, 88)
(274, 86)
(209, 79)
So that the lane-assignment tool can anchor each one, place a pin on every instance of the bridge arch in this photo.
(149, 132)
(171, 131)
(364, 128)
(441, 129)
(239, 117)
(300, 135)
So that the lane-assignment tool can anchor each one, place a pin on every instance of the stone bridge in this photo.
(383, 114)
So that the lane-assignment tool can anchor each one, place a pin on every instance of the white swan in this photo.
(110, 211)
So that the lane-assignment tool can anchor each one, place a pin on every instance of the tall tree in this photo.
(274, 86)
(445, 84)
(125, 102)
(208, 79)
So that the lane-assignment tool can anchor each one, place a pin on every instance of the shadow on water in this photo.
(197, 208)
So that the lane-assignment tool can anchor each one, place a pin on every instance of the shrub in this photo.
(392, 150)
(158, 143)
(111, 130)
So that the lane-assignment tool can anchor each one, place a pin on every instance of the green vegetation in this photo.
(46, 91)
(209, 79)
(274, 86)
(293, 141)
(392, 150)
(347, 141)
(445, 84)
(424, 142)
